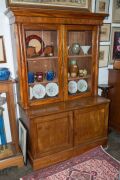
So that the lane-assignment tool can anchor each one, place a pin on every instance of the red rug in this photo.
(95, 164)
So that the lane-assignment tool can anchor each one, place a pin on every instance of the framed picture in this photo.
(105, 32)
(23, 140)
(2, 51)
(115, 48)
(102, 6)
(82, 4)
(104, 55)
(116, 11)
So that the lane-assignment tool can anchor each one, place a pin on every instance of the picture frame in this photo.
(2, 51)
(79, 4)
(105, 32)
(115, 48)
(116, 11)
(23, 140)
(102, 6)
(104, 55)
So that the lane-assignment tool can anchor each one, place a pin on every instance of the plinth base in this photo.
(12, 161)
(9, 157)
(5, 151)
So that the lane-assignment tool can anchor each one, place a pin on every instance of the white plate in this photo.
(37, 42)
(31, 93)
(52, 89)
(38, 91)
(72, 87)
(82, 85)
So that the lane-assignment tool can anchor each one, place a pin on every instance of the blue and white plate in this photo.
(82, 85)
(38, 91)
(52, 89)
(72, 87)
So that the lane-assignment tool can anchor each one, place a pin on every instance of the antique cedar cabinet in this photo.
(67, 117)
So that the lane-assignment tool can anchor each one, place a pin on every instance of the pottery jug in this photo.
(75, 48)
(73, 68)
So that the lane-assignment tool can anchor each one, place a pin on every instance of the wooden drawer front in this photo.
(90, 124)
(54, 133)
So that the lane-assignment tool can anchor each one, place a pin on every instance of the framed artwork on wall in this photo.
(23, 140)
(102, 6)
(79, 4)
(2, 51)
(104, 55)
(116, 11)
(105, 32)
(115, 48)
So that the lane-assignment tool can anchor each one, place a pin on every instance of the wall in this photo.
(103, 72)
(5, 31)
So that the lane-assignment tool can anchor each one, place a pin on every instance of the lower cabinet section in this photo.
(89, 125)
(59, 135)
(54, 133)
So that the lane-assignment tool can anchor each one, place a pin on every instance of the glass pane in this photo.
(79, 45)
(42, 64)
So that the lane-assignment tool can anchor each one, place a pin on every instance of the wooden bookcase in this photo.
(12, 155)
(64, 116)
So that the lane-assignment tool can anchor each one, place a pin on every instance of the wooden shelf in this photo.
(79, 77)
(80, 56)
(44, 82)
(42, 58)
(78, 92)
(44, 98)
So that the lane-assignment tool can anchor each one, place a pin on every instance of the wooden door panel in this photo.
(89, 125)
(54, 133)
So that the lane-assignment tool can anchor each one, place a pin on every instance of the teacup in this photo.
(50, 75)
(39, 76)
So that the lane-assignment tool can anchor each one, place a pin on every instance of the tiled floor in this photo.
(15, 173)
(114, 145)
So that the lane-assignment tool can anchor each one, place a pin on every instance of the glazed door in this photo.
(80, 60)
(43, 46)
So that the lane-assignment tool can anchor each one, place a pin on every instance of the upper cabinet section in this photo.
(57, 54)
(43, 49)
(79, 60)
(43, 59)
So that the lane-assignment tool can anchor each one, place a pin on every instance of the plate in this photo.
(72, 87)
(31, 93)
(82, 85)
(38, 91)
(37, 42)
(52, 89)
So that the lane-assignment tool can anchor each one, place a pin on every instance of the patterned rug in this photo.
(95, 164)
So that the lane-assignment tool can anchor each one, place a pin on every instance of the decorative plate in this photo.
(72, 87)
(30, 93)
(52, 89)
(38, 91)
(82, 85)
(37, 42)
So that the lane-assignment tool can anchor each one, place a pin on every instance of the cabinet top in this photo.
(10, 81)
(82, 103)
(22, 14)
